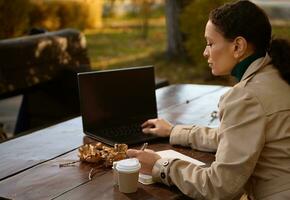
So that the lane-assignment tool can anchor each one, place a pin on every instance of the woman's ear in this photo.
(240, 47)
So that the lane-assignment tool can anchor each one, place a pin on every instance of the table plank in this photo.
(197, 111)
(48, 181)
(23, 152)
(92, 190)
(173, 95)
(45, 180)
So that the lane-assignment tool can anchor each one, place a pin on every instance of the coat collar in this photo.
(256, 65)
(242, 66)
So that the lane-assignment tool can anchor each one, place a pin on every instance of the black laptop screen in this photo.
(117, 97)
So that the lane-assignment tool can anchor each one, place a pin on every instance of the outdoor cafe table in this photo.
(29, 165)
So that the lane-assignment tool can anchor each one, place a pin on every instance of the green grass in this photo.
(115, 47)
(283, 32)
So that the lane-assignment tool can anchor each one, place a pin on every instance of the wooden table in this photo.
(29, 165)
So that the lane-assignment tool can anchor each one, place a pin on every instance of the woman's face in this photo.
(218, 51)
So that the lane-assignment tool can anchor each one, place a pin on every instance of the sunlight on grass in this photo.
(106, 62)
(110, 46)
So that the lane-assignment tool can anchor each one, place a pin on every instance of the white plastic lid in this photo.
(128, 165)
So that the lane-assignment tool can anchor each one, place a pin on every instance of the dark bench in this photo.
(35, 59)
(43, 69)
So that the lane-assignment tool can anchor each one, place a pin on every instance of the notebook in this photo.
(114, 104)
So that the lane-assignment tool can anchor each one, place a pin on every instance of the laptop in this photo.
(114, 104)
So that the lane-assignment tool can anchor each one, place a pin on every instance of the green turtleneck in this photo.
(240, 68)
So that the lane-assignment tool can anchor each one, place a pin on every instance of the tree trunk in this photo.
(175, 47)
(145, 12)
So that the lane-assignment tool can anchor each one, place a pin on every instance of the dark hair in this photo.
(244, 18)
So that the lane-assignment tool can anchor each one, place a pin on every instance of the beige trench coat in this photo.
(252, 143)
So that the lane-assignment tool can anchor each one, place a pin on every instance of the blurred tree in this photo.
(13, 17)
(18, 16)
(175, 38)
(110, 8)
(73, 14)
(38, 13)
(146, 7)
(94, 13)
(57, 14)
(44, 14)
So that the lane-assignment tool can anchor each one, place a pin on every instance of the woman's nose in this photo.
(205, 52)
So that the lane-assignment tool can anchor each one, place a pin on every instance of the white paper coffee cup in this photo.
(128, 172)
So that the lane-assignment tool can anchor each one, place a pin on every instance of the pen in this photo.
(144, 146)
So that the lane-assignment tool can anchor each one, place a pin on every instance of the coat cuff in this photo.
(180, 134)
(161, 169)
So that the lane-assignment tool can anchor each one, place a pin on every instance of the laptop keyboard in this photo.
(123, 131)
(131, 134)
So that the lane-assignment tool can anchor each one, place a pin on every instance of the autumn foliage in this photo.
(19, 16)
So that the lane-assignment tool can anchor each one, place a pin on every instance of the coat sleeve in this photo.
(196, 137)
(241, 139)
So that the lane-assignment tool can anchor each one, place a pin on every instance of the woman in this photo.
(252, 143)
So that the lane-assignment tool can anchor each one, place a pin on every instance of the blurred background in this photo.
(120, 33)
(125, 33)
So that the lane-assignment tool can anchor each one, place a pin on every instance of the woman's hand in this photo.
(159, 127)
(147, 158)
